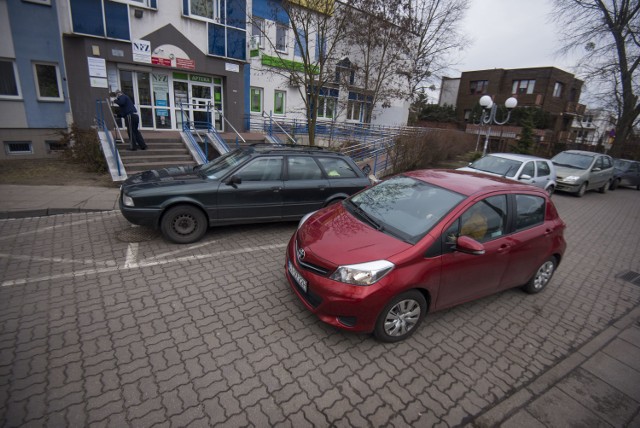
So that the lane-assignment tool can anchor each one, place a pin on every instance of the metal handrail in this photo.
(271, 119)
(186, 128)
(228, 123)
(103, 124)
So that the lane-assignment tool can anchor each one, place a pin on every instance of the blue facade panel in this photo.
(271, 10)
(236, 43)
(38, 43)
(237, 13)
(117, 18)
(87, 17)
(216, 40)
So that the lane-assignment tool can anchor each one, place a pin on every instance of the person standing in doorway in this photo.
(130, 114)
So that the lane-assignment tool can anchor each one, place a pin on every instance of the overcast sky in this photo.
(510, 34)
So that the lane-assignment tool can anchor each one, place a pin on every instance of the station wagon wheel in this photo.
(582, 190)
(541, 278)
(401, 317)
(183, 224)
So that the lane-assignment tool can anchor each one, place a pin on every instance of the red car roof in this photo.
(466, 182)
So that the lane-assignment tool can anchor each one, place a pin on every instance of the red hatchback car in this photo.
(422, 241)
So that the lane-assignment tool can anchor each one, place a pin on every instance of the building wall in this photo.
(562, 108)
(270, 78)
(449, 89)
(30, 34)
(180, 44)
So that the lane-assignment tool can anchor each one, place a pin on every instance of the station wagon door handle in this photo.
(322, 187)
(276, 189)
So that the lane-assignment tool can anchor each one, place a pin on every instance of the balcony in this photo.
(574, 108)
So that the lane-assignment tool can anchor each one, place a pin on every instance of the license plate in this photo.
(299, 279)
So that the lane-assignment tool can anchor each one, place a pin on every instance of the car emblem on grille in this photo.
(301, 253)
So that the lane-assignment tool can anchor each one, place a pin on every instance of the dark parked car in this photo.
(248, 185)
(422, 241)
(579, 171)
(627, 173)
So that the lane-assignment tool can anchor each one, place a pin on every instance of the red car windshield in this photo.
(404, 207)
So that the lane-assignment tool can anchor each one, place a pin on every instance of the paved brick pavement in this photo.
(104, 324)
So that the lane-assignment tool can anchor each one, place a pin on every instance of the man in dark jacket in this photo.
(129, 113)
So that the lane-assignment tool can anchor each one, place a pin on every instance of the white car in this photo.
(534, 170)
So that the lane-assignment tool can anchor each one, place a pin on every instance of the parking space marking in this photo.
(131, 259)
(140, 264)
(109, 263)
(73, 223)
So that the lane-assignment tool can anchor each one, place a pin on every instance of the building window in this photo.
(558, 89)
(478, 86)
(142, 3)
(18, 147)
(281, 38)
(523, 86)
(359, 107)
(9, 84)
(257, 33)
(209, 9)
(56, 146)
(326, 106)
(48, 83)
(44, 2)
(256, 100)
(279, 102)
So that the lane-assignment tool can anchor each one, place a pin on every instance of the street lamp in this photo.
(489, 109)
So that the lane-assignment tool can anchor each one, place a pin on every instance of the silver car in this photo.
(534, 170)
(579, 171)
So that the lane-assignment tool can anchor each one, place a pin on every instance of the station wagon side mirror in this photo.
(467, 245)
(234, 180)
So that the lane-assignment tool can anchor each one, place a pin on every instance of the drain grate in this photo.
(630, 276)
(136, 234)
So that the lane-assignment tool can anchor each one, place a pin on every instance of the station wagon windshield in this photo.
(572, 160)
(221, 166)
(497, 165)
(403, 207)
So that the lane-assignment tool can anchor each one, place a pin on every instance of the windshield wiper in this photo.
(377, 226)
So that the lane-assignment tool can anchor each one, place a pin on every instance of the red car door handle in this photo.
(503, 248)
(548, 232)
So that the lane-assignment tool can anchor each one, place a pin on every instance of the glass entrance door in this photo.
(137, 86)
(200, 105)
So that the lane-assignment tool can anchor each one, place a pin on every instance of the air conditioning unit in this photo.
(294, 80)
(254, 42)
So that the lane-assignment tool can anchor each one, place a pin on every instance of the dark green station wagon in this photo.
(255, 184)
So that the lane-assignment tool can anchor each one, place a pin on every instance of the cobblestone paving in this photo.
(95, 331)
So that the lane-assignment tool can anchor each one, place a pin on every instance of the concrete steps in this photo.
(164, 149)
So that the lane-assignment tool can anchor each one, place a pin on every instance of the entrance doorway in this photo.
(196, 98)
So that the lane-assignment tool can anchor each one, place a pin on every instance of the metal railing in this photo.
(102, 125)
(238, 136)
(189, 128)
(272, 121)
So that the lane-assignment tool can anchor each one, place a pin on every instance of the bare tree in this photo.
(378, 36)
(318, 29)
(609, 32)
(434, 24)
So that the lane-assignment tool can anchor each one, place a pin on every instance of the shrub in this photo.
(83, 148)
(428, 149)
